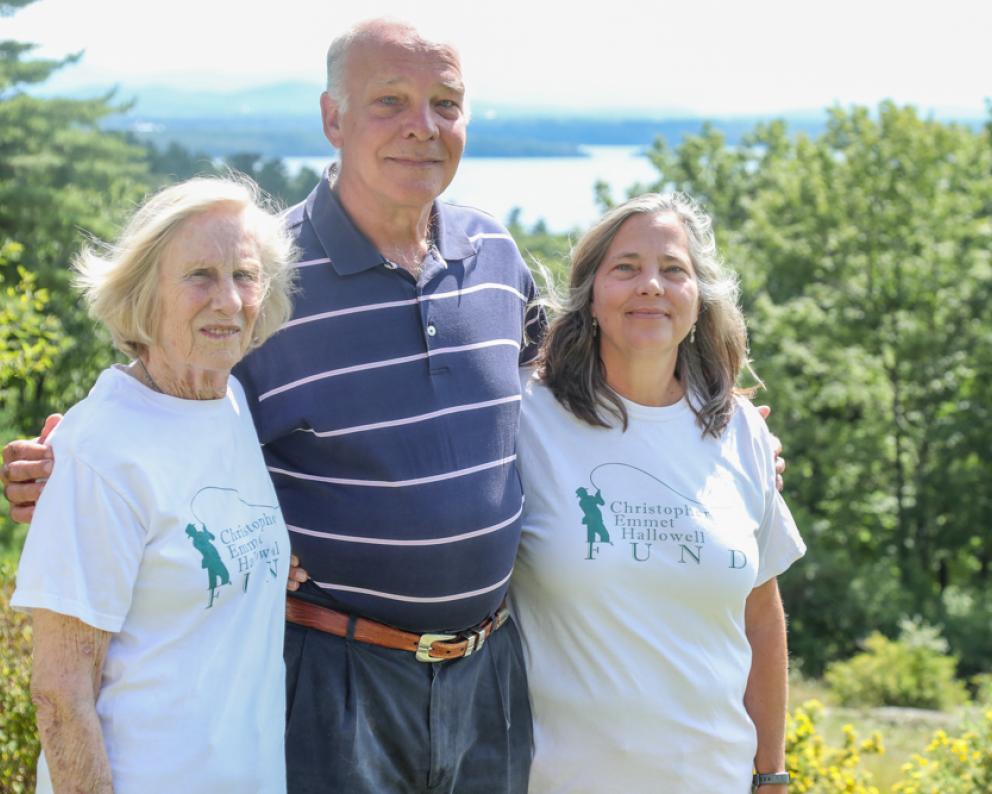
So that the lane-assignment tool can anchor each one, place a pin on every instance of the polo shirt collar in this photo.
(349, 250)
(450, 236)
(352, 252)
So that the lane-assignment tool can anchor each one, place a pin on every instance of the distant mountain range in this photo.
(283, 120)
(278, 99)
(301, 99)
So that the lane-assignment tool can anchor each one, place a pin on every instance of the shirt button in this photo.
(431, 330)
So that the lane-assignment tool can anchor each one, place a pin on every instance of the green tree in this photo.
(59, 174)
(546, 253)
(174, 163)
(273, 176)
(874, 247)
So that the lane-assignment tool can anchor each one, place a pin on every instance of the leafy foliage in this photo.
(982, 684)
(913, 670)
(59, 174)
(273, 176)
(546, 253)
(31, 337)
(952, 764)
(174, 163)
(19, 744)
(819, 768)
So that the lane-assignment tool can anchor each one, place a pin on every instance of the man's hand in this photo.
(297, 575)
(26, 466)
(765, 410)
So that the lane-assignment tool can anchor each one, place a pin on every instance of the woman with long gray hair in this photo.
(653, 531)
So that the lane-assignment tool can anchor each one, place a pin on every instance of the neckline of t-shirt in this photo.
(657, 413)
(125, 381)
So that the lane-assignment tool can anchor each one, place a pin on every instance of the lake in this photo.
(558, 190)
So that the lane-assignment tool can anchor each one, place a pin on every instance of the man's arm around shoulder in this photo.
(27, 464)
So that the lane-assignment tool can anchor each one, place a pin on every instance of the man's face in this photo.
(402, 132)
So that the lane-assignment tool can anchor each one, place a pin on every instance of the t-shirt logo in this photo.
(236, 542)
(647, 516)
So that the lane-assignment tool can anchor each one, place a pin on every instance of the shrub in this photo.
(32, 337)
(914, 670)
(819, 769)
(18, 738)
(864, 596)
(952, 764)
(982, 684)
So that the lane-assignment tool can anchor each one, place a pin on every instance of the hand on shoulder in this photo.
(765, 412)
(26, 465)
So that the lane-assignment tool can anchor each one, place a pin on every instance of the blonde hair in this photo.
(120, 281)
(569, 362)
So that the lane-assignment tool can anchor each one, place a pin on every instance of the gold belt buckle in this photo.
(425, 643)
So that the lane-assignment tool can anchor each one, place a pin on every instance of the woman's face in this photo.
(645, 293)
(209, 288)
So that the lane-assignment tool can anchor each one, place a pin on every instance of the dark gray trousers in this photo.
(368, 720)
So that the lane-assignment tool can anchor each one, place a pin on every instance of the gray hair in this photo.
(336, 55)
(340, 47)
(120, 281)
(570, 363)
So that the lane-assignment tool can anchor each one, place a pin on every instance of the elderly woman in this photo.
(653, 532)
(155, 563)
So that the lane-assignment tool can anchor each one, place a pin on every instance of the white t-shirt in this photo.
(639, 550)
(160, 524)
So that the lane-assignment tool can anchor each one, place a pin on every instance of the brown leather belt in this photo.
(427, 647)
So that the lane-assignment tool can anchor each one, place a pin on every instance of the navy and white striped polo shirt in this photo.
(388, 410)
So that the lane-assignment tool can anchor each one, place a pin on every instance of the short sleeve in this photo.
(779, 541)
(83, 549)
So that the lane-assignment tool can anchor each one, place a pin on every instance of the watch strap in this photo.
(771, 779)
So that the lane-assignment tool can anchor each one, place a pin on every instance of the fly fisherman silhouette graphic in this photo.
(211, 559)
(593, 519)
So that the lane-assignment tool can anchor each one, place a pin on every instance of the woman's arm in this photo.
(767, 684)
(68, 662)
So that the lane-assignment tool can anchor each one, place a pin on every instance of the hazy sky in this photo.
(696, 55)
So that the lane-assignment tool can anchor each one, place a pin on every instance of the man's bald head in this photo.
(377, 31)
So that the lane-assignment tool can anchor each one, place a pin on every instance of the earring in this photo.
(692, 335)
(595, 326)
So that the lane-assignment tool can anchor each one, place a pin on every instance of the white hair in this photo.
(121, 284)
(380, 28)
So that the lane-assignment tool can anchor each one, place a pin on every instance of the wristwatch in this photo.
(772, 779)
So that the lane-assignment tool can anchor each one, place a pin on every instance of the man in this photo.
(388, 408)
